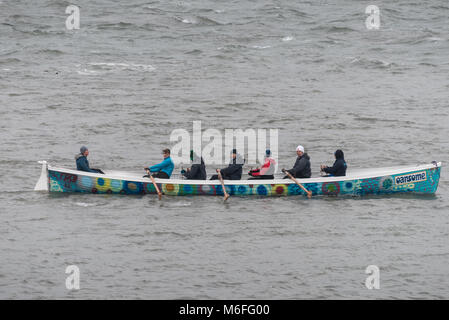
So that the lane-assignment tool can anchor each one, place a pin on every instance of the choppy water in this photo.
(136, 70)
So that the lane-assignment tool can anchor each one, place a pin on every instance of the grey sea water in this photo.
(136, 70)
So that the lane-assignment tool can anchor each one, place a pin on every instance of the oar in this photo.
(309, 193)
(159, 194)
(226, 195)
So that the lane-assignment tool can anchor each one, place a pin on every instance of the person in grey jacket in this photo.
(301, 168)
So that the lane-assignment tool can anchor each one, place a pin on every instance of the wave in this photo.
(298, 13)
(261, 47)
(116, 26)
(198, 20)
(10, 61)
(106, 67)
(194, 51)
(332, 29)
(50, 52)
(209, 10)
(372, 63)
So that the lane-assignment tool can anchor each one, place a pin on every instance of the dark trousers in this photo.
(215, 177)
(160, 175)
(265, 177)
(287, 177)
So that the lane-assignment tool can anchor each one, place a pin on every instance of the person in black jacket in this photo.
(301, 169)
(339, 167)
(198, 169)
(234, 170)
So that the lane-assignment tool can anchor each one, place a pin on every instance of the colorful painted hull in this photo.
(421, 179)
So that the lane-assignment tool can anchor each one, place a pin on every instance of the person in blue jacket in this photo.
(339, 167)
(82, 164)
(164, 169)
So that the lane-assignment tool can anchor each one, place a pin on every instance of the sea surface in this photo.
(136, 70)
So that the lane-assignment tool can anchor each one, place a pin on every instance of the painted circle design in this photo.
(331, 188)
(169, 188)
(347, 186)
(103, 184)
(386, 183)
(187, 189)
(206, 189)
(132, 187)
(280, 189)
(262, 190)
(86, 183)
(54, 186)
(243, 189)
(116, 185)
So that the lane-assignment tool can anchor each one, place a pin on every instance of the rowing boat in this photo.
(419, 179)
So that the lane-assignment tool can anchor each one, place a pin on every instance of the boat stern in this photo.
(42, 183)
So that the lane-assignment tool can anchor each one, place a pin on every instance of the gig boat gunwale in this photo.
(418, 179)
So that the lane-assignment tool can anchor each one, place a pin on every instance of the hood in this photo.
(238, 160)
(196, 159)
(79, 155)
(305, 156)
(339, 154)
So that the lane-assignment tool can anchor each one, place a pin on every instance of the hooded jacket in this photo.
(234, 170)
(301, 169)
(339, 167)
(198, 169)
(82, 164)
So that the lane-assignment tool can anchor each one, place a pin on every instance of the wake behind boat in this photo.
(418, 179)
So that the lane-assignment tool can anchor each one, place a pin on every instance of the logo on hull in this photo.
(411, 178)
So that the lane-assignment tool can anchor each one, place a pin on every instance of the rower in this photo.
(198, 169)
(339, 167)
(82, 164)
(234, 170)
(301, 168)
(164, 169)
(266, 171)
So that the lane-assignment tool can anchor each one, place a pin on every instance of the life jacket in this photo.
(267, 169)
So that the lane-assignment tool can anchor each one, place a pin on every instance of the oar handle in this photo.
(159, 194)
(309, 193)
